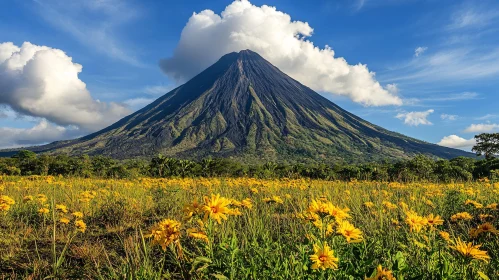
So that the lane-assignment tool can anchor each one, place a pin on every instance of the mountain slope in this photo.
(244, 108)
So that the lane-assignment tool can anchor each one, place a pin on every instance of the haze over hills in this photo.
(244, 108)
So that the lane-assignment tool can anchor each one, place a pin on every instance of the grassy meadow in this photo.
(243, 228)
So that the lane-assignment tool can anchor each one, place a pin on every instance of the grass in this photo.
(272, 239)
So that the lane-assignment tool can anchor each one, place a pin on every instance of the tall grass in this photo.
(271, 240)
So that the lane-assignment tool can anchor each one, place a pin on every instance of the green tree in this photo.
(27, 161)
(487, 144)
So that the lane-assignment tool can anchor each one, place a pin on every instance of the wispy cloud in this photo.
(462, 96)
(138, 103)
(482, 128)
(416, 118)
(158, 90)
(459, 65)
(447, 117)
(419, 51)
(487, 117)
(472, 15)
(93, 23)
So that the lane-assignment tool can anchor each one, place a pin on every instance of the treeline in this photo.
(419, 168)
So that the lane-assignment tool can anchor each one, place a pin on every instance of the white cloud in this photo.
(463, 96)
(138, 103)
(472, 16)
(157, 90)
(454, 141)
(43, 82)
(459, 65)
(92, 23)
(419, 51)
(487, 117)
(271, 33)
(482, 128)
(42, 132)
(416, 118)
(449, 117)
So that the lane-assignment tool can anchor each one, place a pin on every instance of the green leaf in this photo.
(219, 276)
(400, 261)
(483, 276)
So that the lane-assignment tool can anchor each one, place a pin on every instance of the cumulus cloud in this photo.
(454, 141)
(419, 51)
(208, 36)
(42, 132)
(482, 128)
(43, 82)
(416, 118)
(448, 117)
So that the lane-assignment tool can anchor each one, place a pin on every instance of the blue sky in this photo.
(436, 62)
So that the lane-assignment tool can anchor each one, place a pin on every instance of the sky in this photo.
(428, 69)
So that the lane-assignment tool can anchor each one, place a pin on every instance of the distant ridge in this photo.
(244, 108)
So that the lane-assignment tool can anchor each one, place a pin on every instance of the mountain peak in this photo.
(241, 55)
(245, 108)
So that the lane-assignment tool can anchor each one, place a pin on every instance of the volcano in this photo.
(244, 108)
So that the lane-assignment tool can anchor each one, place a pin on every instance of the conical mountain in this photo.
(243, 107)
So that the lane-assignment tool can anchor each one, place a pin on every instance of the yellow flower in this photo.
(165, 233)
(64, 220)
(254, 190)
(415, 222)
(445, 235)
(368, 204)
(234, 202)
(77, 215)
(434, 220)
(382, 274)
(474, 203)
(338, 213)
(274, 199)
(323, 258)
(193, 208)
(389, 205)
(461, 216)
(197, 234)
(484, 217)
(468, 250)
(28, 198)
(351, 233)
(320, 208)
(80, 225)
(246, 203)
(43, 211)
(484, 228)
(235, 212)
(61, 207)
(41, 198)
(6, 202)
(216, 207)
(492, 206)
(404, 205)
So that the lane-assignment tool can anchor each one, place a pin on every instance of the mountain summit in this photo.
(245, 108)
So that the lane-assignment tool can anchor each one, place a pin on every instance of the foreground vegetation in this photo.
(419, 168)
(243, 228)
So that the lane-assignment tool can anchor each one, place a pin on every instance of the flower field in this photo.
(242, 228)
